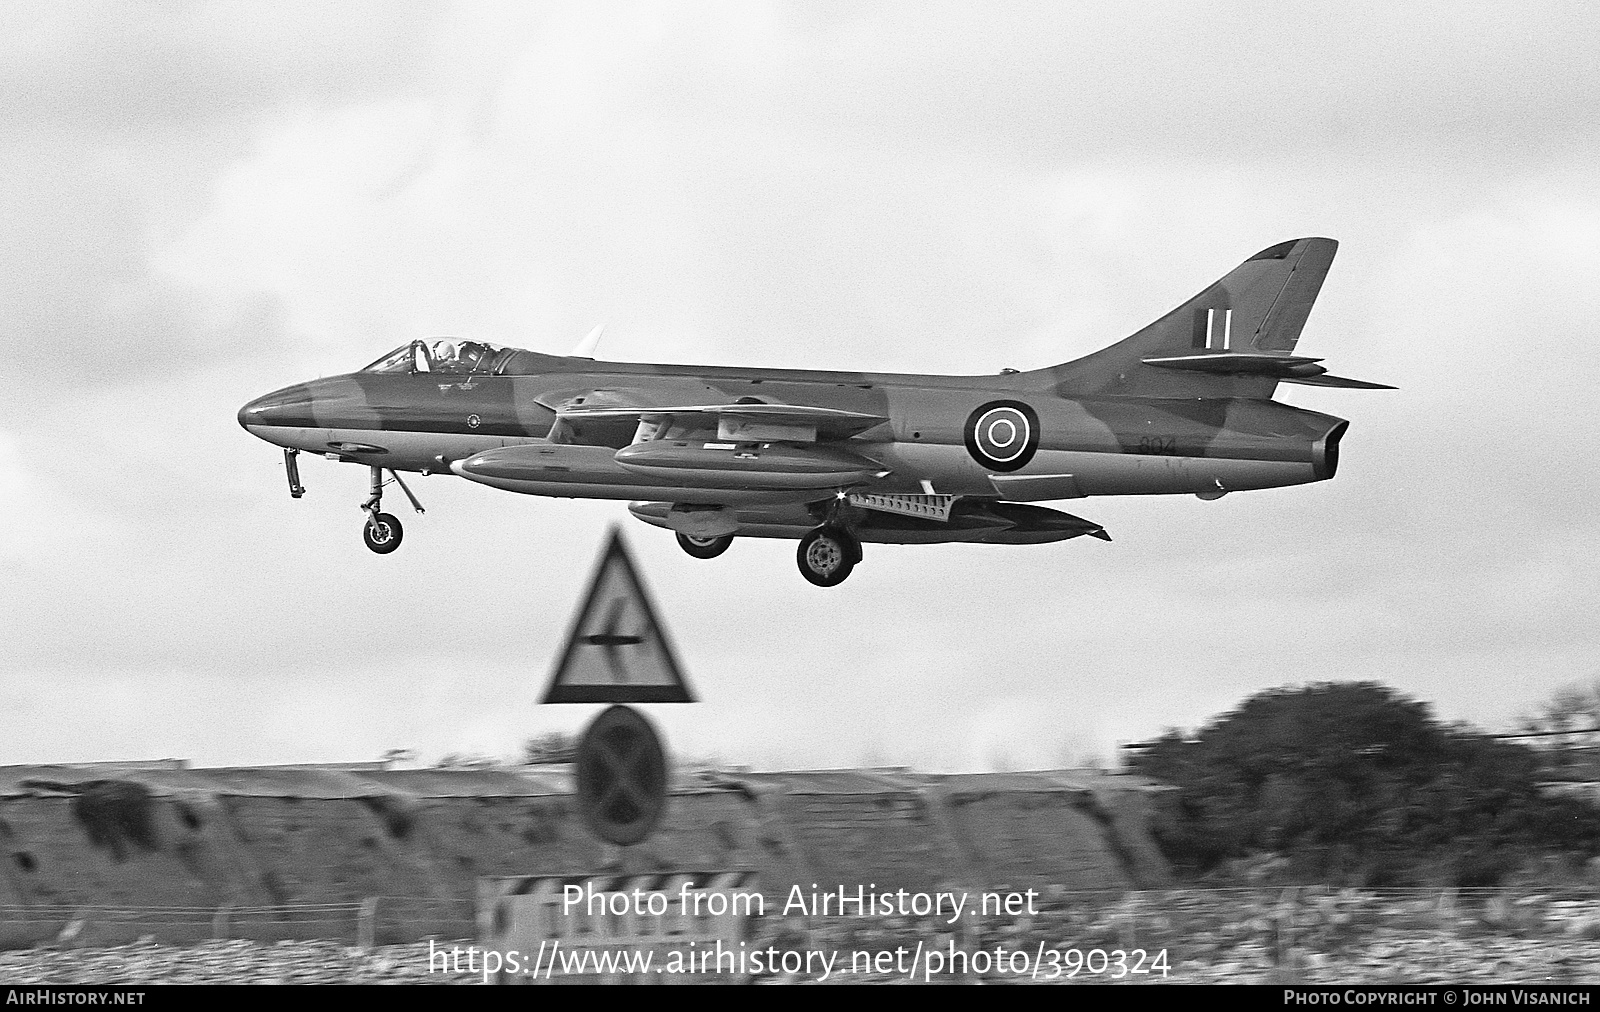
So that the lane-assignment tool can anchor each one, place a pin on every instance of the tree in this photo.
(1352, 782)
(1568, 719)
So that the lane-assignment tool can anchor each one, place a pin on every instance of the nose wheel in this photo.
(382, 531)
(827, 555)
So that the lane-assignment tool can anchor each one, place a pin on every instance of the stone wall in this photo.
(189, 854)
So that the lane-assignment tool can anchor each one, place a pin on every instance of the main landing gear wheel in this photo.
(382, 533)
(704, 548)
(827, 555)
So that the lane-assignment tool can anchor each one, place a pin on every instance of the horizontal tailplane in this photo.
(1284, 368)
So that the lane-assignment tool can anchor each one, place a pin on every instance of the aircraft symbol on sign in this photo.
(617, 650)
(610, 640)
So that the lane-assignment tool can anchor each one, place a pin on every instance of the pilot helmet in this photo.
(444, 351)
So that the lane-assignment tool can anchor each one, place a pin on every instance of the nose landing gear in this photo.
(382, 531)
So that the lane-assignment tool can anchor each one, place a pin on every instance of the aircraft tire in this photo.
(827, 555)
(705, 548)
(382, 533)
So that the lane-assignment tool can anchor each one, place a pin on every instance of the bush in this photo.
(116, 813)
(1352, 783)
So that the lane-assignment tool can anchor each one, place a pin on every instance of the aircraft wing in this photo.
(756, 421)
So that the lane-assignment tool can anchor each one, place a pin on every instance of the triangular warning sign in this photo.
(617, 650)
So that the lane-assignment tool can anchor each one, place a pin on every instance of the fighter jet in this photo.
(839, 459)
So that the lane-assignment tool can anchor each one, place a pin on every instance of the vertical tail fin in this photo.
(1258, 307)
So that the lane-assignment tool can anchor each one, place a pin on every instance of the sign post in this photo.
(617, 652)
(599, 927)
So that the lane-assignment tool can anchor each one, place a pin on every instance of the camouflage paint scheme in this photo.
(773, 452)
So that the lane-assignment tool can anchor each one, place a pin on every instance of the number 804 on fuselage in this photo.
(838, 459)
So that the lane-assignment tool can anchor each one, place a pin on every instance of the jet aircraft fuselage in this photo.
(840, 458)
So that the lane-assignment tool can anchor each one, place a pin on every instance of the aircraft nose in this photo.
(289, 406)
(250, 414)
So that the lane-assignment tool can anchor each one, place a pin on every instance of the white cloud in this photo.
(45, 524)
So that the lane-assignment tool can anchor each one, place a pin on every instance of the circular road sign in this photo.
(622, 776)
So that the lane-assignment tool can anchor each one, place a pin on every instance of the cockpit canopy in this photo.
(443, 355)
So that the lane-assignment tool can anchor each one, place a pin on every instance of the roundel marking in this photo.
(1003, 435)
(472, 421)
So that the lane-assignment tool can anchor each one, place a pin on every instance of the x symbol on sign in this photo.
(612, 640)
(622, 774)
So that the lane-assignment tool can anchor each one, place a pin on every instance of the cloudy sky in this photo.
(204, 202)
